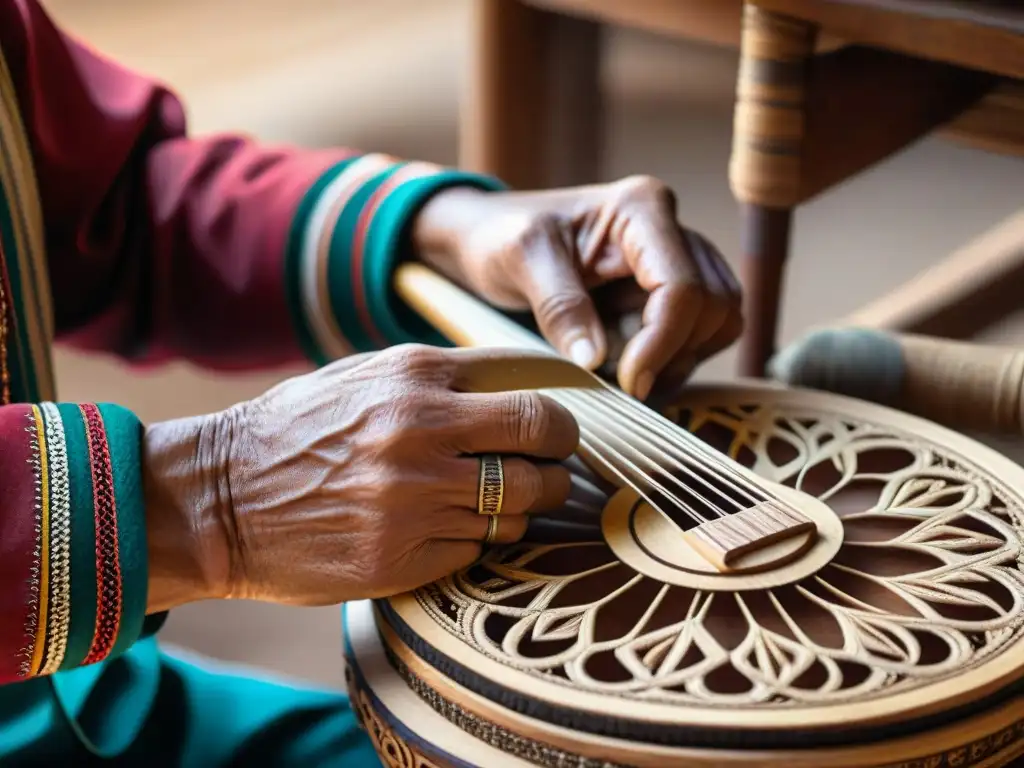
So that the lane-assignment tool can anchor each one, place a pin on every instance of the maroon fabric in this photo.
(17, 536)
(160, 246)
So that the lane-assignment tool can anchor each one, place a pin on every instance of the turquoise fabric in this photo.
(194, 715)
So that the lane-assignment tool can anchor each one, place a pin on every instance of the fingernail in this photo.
(643, 385)
(583, 353)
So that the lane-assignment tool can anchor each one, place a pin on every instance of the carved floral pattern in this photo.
(927, 584)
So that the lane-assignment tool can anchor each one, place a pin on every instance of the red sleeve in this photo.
(218, 250)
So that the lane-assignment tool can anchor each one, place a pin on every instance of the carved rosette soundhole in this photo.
(926, 584)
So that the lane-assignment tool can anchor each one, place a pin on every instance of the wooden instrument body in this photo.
(904, 650)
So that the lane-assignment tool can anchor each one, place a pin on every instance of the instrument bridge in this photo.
(725, 540)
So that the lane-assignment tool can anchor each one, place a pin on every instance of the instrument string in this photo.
(639, 476)
(671, 451)
(600, 456)
(613, 437)
(656, 479)
(672, 432)
(682, 442)
(685, 446)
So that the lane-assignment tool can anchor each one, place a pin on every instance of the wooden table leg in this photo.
(532, 111)
(764, 240)
(765, 167)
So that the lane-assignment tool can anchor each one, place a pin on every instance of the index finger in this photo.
(670, 319)
(657, 248)
(692, 294)
(664, 266)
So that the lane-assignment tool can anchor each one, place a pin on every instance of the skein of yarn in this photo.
(958, 384)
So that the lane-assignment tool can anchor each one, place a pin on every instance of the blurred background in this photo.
(386, 76)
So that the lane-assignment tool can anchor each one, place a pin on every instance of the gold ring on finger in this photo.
(492, 529)
(491, 490)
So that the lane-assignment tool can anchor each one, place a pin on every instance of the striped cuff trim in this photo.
(308, 258)
(316, 302)
(89, 522)
(348, 236)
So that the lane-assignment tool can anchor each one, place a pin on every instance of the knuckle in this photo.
(420, 359)
(527, 483)
(647, 189)
(558, 307)
(528, 418)
(530, 228)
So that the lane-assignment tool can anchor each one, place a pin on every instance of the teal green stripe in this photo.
(83, 539)
(388, 242)
(293, 261)
(23, 382)
(124, 436)
(339, 267)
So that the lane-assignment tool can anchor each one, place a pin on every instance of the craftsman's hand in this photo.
(585, 260)
(356, 481)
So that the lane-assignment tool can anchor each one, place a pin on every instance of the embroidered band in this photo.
(35, 619)
(59, 539)
(349, 232)
(108, 568)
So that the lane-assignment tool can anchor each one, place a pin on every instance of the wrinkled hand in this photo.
(586, 261)
(360, 480)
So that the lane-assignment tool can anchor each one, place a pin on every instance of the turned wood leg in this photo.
(532, 112)
(764, 240)
(765, 167)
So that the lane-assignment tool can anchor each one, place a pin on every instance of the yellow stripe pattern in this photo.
(44, 550)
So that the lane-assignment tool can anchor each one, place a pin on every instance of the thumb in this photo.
(551, 282)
